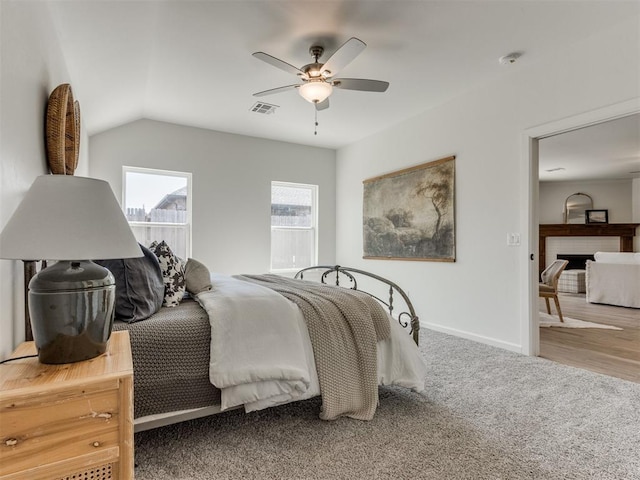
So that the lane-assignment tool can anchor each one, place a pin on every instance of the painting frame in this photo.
(596, 216)
(409, 214)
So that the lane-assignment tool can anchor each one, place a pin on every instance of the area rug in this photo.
(547, 320)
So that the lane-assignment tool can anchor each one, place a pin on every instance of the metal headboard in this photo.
(405, 318)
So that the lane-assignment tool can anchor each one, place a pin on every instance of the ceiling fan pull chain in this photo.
(315, 131)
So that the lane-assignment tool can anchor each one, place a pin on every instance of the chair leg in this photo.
(546, 300)
(557, 301)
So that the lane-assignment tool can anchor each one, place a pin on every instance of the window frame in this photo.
(314, 213)
(169, 173)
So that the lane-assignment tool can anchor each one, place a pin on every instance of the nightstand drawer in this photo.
(57, 425)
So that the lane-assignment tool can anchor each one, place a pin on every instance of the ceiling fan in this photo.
(318, 79)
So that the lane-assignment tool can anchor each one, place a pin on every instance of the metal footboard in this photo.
(336, 274)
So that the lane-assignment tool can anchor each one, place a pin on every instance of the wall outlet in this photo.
(513, 239)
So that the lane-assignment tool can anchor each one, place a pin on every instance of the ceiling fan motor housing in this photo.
(312, 70)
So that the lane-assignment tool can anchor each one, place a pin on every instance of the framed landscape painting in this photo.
(409, 214)
(597, 216)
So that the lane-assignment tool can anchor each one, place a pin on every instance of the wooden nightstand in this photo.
(70, 421)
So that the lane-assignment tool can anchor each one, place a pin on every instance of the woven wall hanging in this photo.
(62, 131)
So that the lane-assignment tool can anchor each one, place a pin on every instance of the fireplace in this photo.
(624, 231)
(576, 261)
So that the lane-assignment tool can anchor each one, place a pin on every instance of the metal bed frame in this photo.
(406, 318)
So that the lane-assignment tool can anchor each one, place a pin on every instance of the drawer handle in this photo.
(106, 415)
(10, 442)
(96, 444)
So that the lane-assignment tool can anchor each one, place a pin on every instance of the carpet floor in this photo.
(486, 414)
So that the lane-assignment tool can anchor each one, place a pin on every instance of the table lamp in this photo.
(71, 303)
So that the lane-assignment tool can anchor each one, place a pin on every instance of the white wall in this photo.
(612, 195)
(232, 177)
(31, 66)
(479, 296)
(635, 211)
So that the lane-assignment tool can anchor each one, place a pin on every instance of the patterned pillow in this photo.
(172, 273)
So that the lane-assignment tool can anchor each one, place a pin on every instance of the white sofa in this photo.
(614, 279)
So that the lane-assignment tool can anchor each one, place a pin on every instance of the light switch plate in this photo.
(513, 239)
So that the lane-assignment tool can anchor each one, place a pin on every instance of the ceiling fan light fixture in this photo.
(315, 91)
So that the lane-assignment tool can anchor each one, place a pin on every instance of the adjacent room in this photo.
(584, 172)
(304, 239)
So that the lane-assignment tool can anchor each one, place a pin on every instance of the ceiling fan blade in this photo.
(275, 90)
(343, 56)
(322, 105)
(361, 84)
(281, 64)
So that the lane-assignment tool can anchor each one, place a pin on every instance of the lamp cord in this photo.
(18, 358)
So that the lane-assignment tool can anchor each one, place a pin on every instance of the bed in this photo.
(176, 356)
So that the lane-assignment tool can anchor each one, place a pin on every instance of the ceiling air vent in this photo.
(266, 108)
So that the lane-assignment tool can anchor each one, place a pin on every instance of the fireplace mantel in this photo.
(625, 231)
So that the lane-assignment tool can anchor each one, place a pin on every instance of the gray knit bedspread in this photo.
(171, 360)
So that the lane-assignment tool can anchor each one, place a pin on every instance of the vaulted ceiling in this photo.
(190, 62)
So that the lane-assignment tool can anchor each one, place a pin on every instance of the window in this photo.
(294, 226)
(157, 204)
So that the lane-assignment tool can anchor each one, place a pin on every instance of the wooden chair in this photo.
(549, 285)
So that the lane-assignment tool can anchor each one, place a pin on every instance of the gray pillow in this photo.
(197, 277)
(139, 286)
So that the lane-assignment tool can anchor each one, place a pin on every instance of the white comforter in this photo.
(261, 354)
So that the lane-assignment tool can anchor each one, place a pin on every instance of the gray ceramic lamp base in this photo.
(71, 305)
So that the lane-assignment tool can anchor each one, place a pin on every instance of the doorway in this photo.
(530, 337)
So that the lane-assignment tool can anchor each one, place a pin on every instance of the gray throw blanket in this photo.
(344, 326)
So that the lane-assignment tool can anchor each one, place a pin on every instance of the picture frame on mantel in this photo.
(409, 214)
(597, 216)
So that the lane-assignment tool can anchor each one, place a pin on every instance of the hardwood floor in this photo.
(611, 352)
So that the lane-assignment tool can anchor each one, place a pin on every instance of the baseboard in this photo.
(513, 347)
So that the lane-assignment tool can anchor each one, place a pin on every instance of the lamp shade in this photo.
(315, 91)
(63, 217)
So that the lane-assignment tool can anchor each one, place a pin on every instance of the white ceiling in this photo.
(609, 150)
(189, 62)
